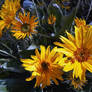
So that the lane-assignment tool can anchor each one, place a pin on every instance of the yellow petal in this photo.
(68, 67)
(56, 82)
(2, 25)
(65, 51)
(35, 58)
(62, 62)
(42, 52)
(29, 61)
(48, 79)
(69, 43)
(58, 58)
(38, 81)
(35, 74)
(88, 66)
(30, 78)
(44, 80)
(58, 44)
(77, 70)
(29, 68)
(52, 53)
(37, 53)
(78, 37)
(0, 33)
(70, 37)
(47, 51)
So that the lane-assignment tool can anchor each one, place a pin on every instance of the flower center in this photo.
(25, 27)
(45, 65)
(81, 54)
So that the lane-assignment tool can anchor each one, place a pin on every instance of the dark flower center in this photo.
(81, 54)
(45, 65)
(25, 27)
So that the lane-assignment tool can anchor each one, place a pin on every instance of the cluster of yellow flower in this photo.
(78, 58)
(75, 54)
(21, 27)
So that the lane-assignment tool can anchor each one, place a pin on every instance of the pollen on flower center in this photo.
(81, 54)
(44, 65)
(25, 27)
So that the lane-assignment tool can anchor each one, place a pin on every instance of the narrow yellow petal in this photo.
(77, 70)
(59, 57)
(69, 43)
(62, 62)
(68, 67)
(78, 37)
(58, 44)
(48, 79)
(47, 51)
(35, 74)
(29, 68)
(37, 53)
(30, 78)
(42, 52)
(88, 66)
(70, 37)
(38, 81)
(29, 61)
(65, 51)
(56, 82)
(52, 53)
(0, 33)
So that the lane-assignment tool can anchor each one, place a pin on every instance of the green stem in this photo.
(4, 52)
(54, 27)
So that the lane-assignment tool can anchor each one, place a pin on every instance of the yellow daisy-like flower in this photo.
(8, 13)
(51, 19)
(25, 27)
(76, 82)
(44, 66)
(81, 23)
(79, 51)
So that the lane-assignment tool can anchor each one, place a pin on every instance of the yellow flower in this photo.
(25, 27)
(81, 23)
(76, 82)
(44, 66)
(8, 13)
(78, 49)
(51, 19)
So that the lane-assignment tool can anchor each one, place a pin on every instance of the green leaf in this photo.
(20, 85)
(3, 87)
(4, 53)
(26, 53)
(66, 22)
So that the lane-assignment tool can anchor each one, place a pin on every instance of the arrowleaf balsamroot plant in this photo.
(44, 66)
(25, 26)
(79, 49)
